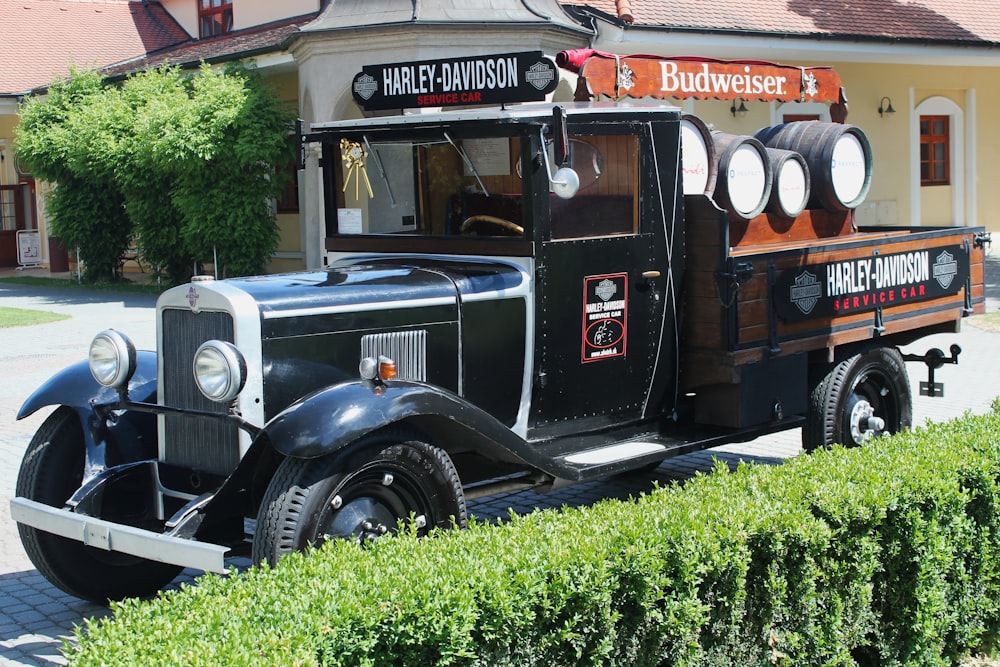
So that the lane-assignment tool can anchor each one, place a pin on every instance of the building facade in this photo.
(920, 77)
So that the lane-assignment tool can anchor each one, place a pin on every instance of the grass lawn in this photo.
(989, 321)
(20, 317)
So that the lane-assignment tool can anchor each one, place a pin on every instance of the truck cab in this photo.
(512, 297)
(571, 212)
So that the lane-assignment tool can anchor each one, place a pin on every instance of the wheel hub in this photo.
(371, 531)
(360, 519)
(865, 424)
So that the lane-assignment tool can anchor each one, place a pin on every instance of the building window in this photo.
(288, 201)
(935, 149)
(215, 17)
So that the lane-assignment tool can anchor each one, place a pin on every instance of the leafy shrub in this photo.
(884, 555)
(181, 164)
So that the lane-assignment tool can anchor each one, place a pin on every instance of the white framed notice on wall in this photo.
(29, 249)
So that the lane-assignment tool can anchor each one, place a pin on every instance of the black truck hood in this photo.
(377, 284)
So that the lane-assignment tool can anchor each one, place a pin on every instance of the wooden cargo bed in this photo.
(766, 289)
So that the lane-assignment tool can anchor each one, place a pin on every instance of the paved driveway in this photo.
(35, 617)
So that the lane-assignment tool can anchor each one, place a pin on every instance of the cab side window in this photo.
(607, 203)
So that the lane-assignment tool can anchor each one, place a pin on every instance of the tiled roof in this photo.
(41, 38)
(951, 21)
(244, 43)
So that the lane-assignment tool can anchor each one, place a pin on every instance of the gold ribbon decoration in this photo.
(353, 155)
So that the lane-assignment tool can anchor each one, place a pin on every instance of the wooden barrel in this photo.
(743, 184)
(697, 157)
(839, 158)
(790, 184)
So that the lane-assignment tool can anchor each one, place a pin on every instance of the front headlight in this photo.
(112, 358)
(220, 370)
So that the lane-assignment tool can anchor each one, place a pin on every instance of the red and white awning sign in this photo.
(702, 78)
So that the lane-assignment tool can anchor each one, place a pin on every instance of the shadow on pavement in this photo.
(73, 296)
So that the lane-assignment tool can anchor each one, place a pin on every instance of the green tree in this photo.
(238, 132)
(68, 139)
(185, 161)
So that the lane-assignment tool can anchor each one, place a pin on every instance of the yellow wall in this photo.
(890, 136)
(7, 173)
(246, 13)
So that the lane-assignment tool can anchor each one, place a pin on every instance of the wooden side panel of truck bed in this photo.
(769, 294)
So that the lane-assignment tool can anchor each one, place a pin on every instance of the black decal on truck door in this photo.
(605, 317)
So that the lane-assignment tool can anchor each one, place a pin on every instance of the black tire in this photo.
(866, 395)
(52, 469)
(359, 495)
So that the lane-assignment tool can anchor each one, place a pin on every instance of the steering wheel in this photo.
(472, 224)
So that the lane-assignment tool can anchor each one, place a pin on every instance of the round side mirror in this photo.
(565, 183)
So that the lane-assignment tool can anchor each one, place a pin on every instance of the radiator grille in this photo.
(407, 348)
(202, 444)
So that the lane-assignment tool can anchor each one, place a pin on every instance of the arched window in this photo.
(938, 150)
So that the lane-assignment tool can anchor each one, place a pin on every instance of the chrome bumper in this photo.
(109, 536)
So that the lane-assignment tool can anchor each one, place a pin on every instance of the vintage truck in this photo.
(517, 296)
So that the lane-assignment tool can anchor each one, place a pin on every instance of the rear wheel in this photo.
(52, 469)
(863, 396)
(358, 495)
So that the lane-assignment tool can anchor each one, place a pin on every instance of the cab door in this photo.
(599, 300)
(595, 342)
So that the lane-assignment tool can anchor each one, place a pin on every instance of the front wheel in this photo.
(863, 396)
(52, 469)
(358, 495)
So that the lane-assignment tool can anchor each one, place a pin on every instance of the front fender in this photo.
(76, 387)
(332, 418)
(129, 436)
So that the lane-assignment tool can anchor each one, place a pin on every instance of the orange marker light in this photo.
(386, 368)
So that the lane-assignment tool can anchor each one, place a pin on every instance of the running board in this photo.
(611, 458)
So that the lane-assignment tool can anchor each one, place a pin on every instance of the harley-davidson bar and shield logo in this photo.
(806, 292)
(867, 283)
(945, 269)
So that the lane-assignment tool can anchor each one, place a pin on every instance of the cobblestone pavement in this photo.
(35, 617)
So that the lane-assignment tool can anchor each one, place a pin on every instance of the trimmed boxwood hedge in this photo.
(883, 555)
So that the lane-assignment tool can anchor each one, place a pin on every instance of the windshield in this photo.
(448, 186)
(445, 186)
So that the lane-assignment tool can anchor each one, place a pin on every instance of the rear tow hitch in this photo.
(934, 358)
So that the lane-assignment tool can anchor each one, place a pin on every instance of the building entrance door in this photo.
(17, 211)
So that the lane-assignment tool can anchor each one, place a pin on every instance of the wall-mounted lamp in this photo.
(740, 110)
(884, 109)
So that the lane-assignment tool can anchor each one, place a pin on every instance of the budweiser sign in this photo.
(700, 78)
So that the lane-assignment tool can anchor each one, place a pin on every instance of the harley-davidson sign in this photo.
(867, 283)
(494, 79)
(605, 317)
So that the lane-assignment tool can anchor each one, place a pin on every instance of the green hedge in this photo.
(884, 555)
